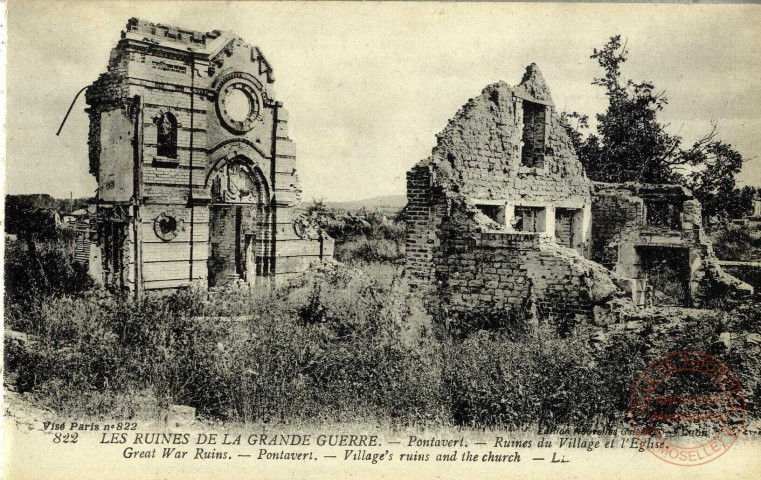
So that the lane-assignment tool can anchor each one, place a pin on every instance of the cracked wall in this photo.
(501, 217)
(480, 268)
(187, 183)
(499, 214)
(653, 235)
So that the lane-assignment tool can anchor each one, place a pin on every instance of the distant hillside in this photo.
(385, 204)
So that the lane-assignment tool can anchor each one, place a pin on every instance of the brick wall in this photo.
(623, 239)
(612, 214)
(481, 151)
(516, 273)
(748, 272)
(108, 92)
(475, 270)
(419, 226)
(475, 262)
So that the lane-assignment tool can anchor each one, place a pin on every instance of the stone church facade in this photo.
(196, 172)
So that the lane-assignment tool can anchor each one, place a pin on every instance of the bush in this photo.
(361, 236)
(364, 250)
(26, 289)
(345, 356)
(737, 245)
(511, 323)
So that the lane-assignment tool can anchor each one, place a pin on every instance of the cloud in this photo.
(369, 85)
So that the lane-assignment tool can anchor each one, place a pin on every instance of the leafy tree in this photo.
(316, 217)
(318, 211)
(17, 208)
(632, 145)
(740, 203)
(38, 225)
(712, 179)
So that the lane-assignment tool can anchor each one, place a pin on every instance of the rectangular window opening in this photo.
(569, 228)
(495, 212)
(663, 214)
(530, 219)
(534, 127)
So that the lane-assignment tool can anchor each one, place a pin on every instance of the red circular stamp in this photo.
(688, 408)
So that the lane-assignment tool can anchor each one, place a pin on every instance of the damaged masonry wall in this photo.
(480, 156)
(481, 268)
(500, 217)
(653, 235)
(196, 171)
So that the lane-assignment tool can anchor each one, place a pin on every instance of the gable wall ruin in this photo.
(502, 218)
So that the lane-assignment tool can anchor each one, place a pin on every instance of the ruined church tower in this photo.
(196, 172)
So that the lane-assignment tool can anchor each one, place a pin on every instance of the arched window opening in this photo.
(166, 136)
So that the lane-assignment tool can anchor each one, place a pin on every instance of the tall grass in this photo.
(330, 347)
(337, 344)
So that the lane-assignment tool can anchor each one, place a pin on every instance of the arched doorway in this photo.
(238, 215)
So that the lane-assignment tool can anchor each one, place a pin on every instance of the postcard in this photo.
(319, 240)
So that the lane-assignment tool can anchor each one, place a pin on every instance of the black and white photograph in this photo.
(430, 240)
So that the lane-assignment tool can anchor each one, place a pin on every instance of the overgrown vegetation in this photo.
(38, 271)
(338, 344)
(631, 144)
(361, 236)
(737, 244)
(17, 208)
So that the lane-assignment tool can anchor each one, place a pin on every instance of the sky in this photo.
(369, 85)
